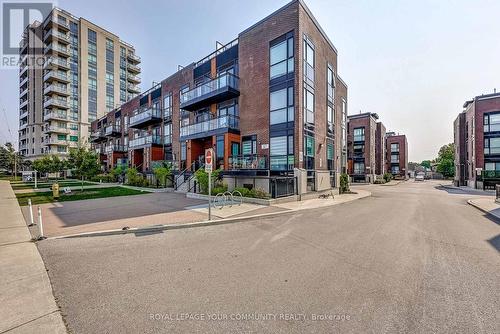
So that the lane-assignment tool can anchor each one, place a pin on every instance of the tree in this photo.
(49, 164)
(426, 164)
(83, 163)
(161, 173)
(446, 160)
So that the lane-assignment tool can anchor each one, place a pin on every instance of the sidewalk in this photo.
(226, 215)
(487, 205)
(27, 304)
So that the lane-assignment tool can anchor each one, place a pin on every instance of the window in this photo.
(183, 150)
(219, 151)
(167, 105)
(394, 158)
(394, 147)
(281, 58)
(330, 84)
(249, 145)
(359, 168)
(281, 153)
(308, 106)
(309, 146)
(395, 169)
(73, 138)
(92, 36)
(330, 155)
(491, 122)
(492, 166)
(281, 105)
(168, 133)
(308, 61)
(492, 145)
(359, 134)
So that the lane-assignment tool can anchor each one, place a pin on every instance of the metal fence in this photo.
(282, 186)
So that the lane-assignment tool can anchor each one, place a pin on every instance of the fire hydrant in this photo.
(55, 191)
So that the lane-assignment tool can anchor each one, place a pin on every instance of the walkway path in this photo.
(26, 301)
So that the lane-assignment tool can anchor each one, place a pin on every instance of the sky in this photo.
(414, 63)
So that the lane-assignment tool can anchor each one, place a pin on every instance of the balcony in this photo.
(56, 76)
(55, 115)
(23, 91)
(210, 128)
(23, 114)
(98, 136)
(23, 103)
(145, 118)
(133, 58)
(55, 102)
(133, 68)
(133, 88)
(55, 141)
(113, 131)
(54, 22)
(56, 63)
(58, 49)
(216, 90)
(56, 129)
(23, 125)
(134, 79)
(56, 89)
(116, 148)
(145, 141)
(55, 35)
(23, 81)
(247, 162)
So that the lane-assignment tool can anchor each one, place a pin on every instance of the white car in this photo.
(419, 177)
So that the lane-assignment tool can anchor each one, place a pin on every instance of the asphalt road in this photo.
(412, 258)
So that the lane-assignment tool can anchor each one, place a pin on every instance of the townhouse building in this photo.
(72, 72)
(397, 155)
(270, 103)
(365, 139)
(477, 142)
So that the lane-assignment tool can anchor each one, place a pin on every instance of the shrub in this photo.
(344, 183)
(245, 192)
(103, 178)
(135, 179)
(219, 189)
(387, 177)
(202, 178)
(379, 181)
(260, 193)
(161, 173)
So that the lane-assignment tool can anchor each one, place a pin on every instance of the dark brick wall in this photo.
(459, 143)
(380, 149)
(403, 153)
(254, 74)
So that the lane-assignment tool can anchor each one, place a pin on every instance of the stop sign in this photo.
(209, 153)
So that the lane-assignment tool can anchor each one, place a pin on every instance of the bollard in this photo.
(32, 223)
(40, 224)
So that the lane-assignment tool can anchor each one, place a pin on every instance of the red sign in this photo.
(208, 157)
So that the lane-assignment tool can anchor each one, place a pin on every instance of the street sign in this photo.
(209, 153)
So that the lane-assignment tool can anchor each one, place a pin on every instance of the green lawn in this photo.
(76, 195)
(62, 184)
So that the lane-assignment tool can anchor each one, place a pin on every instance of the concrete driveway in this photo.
(65, 218)
(410, 259)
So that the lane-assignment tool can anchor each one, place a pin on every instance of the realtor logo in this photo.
(16, 16)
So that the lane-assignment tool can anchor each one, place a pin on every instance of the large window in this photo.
(168, 133)
(281, 106)
(394, 158)
(281, 58)
(330, 92)
(359, 134)
(491, 122)
(308, 106)
(394, 147)
(308, 61)
(167, 105)
(492, 145)
(249, 145)
(281, 153)
(359, 168)
(395, 169)
(330, 155)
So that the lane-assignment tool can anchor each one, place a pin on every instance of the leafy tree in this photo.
(446, 160)
(161, 174)
(202, 178)
(9, 157)
(426, 164)
(49, 164)
(84, 163)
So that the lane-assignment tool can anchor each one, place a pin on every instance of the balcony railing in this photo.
(146, 140)
(216, 90)
(134, 78)
(56, 116)
(56, 129)
(224, 122)
(133, 88)
(55, 102)
(56, 75)
(55, 141)
(98, 136)
(58, 62)
(236, 162)
(133, 68)
(113, 130)
(116, 148)
(491, 174)
(133, 57)
(62, 90)
(145, 118)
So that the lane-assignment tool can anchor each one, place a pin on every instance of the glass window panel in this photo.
(278, 70)
(278, 99)
(278, 116)
(291, 114)
(290, 144)
(278, 145)
(278, 52)
(290, 96)
(247, 147)
(290, 47)
(310, 100)
(290, 65)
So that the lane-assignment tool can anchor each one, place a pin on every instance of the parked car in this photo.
(419, 177)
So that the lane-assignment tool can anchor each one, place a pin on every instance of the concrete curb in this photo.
(470, 202)
(156, 228)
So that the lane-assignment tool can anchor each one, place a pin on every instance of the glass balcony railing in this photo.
(113, 130)
(146, 117)
(247, 162)
(146, 140)
(116, 148)
(223, 87)
(223, 122)
(491, 174)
